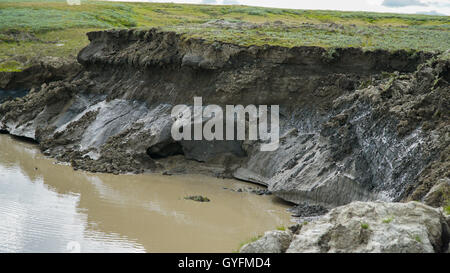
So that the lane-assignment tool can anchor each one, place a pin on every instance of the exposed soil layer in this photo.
(39, 71)
(355, 125)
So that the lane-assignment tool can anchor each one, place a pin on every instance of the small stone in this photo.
(295, 228)
(198, 198)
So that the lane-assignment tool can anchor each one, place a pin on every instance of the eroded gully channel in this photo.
(49, 207)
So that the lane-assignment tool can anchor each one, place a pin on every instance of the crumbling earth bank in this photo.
(355, 125)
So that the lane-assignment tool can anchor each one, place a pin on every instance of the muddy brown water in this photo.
(49, 207)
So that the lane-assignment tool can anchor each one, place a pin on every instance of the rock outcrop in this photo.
(366, 227)
(276, 241)
(355, 125)
(439, 194)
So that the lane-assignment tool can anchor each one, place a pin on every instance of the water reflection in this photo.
(44, 206)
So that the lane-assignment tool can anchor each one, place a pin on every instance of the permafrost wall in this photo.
(355, 125)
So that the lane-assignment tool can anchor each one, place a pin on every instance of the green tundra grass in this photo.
(35, 28)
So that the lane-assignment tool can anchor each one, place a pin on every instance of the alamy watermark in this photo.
(211, 123)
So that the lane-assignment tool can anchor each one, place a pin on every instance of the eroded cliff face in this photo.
(355, 125)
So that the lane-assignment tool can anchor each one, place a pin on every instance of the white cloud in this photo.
(403, 3)
(210, 2)
(396, 6)
(432, 12)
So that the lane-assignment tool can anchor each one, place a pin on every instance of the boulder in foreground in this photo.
(377, 227)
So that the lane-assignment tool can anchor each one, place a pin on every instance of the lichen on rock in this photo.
(362, 227)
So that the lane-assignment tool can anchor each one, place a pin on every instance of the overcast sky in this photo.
(439, 7)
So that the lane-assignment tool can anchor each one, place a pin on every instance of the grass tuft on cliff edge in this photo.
(30, 29)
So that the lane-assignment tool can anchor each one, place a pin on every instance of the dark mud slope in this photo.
(355, 125)
(44, 70)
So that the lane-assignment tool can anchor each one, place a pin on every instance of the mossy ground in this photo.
(364, 226)
(58, 29)
(281, 228)
(10, 66)
(251, 240)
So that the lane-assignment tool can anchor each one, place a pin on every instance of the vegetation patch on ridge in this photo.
(35, 28)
